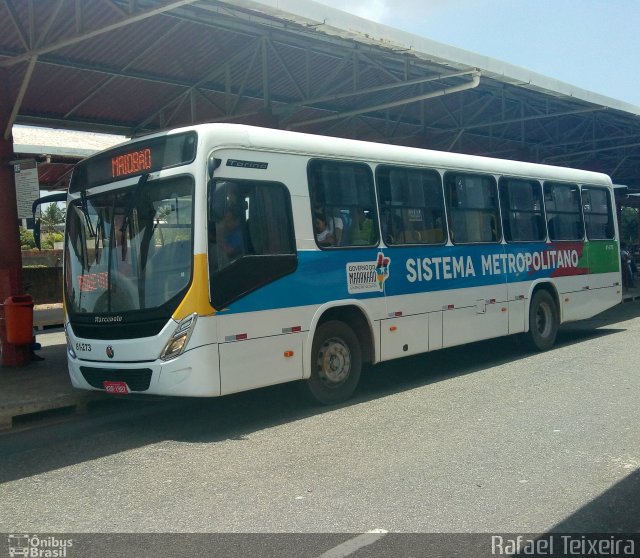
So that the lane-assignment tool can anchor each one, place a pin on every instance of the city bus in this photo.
(217, 258)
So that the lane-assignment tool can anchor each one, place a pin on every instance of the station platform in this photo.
(48, 315)
(42, 389)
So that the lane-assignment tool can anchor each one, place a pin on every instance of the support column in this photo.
(10, 255)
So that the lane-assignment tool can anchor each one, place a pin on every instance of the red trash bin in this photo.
(18, 319)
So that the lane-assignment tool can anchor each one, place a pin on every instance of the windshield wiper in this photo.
(99, 237)
(85, 211)
(131, 205)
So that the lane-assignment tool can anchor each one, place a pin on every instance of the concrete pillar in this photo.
(10, 256)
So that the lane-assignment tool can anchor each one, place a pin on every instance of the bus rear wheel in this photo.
(336, 363)
(543, 321)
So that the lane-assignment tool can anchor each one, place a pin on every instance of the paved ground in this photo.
(32, 392)
(484, 438)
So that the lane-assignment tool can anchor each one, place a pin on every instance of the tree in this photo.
(26, 239)
(52, 215)
(629, 226)
(48, 241)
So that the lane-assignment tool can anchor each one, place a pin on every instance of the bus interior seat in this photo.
(347, 222)
(167, 265)
(254, 243)
(171, 257)
(432, 236)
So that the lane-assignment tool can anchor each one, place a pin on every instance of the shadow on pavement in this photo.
(119, 425)
(615, 511)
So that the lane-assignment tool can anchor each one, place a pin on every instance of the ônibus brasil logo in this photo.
(34, 546)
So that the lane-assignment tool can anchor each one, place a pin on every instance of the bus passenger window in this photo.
(411, 206)
(251, 238)
(343, 209)
(598, 215)
(247, 218)
(522, 214)
(564, 211)
(472, 203)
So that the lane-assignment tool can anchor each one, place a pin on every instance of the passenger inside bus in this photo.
(328, 231)
(227, 229)
(230, 235)
(324, 235)
(362, 233)
(392, 227)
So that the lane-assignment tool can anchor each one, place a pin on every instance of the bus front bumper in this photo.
(195, 373)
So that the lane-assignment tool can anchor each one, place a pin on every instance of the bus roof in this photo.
(220, 135)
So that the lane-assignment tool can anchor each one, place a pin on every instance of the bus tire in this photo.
(336, 363)
(543, 321)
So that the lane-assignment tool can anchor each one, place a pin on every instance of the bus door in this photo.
(476, 303)
(413, 227)
(251, 251)
(479, 311)
(601, 250)
(585, 257)
(525, 235)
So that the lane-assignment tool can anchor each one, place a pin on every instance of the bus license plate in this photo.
(120, 388)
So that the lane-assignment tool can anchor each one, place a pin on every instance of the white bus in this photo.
(219, 258)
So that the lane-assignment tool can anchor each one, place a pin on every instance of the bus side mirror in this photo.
(36, 234)
(62, 196)
(212, 164)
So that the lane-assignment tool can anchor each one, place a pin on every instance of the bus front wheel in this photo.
(543, 321)
(336, 363)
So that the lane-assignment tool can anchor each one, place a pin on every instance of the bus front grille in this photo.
(137, 380)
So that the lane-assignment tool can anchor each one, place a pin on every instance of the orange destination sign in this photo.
(134, 162)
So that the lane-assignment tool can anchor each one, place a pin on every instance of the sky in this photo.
(593, 44)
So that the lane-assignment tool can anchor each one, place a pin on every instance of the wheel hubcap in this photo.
(334, 362)
(543, 320)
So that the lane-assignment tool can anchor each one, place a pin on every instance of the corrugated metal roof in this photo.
(57, 151)
(136, 67)
(71, 143)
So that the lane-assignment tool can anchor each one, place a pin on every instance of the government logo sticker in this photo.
(368, 277)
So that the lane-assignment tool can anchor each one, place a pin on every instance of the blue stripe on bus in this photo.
(323, 276)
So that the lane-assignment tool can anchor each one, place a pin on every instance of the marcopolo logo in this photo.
(38, 546)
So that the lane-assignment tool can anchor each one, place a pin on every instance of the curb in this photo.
(42, 409)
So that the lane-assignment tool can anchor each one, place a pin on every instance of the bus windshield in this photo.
(131, 248)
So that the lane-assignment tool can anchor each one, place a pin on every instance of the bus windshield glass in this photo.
(130, 249)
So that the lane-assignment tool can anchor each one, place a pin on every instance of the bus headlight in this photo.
(178, 342)
(70, 350)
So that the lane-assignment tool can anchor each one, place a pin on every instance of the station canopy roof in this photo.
(135, 66)
(58, 151)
